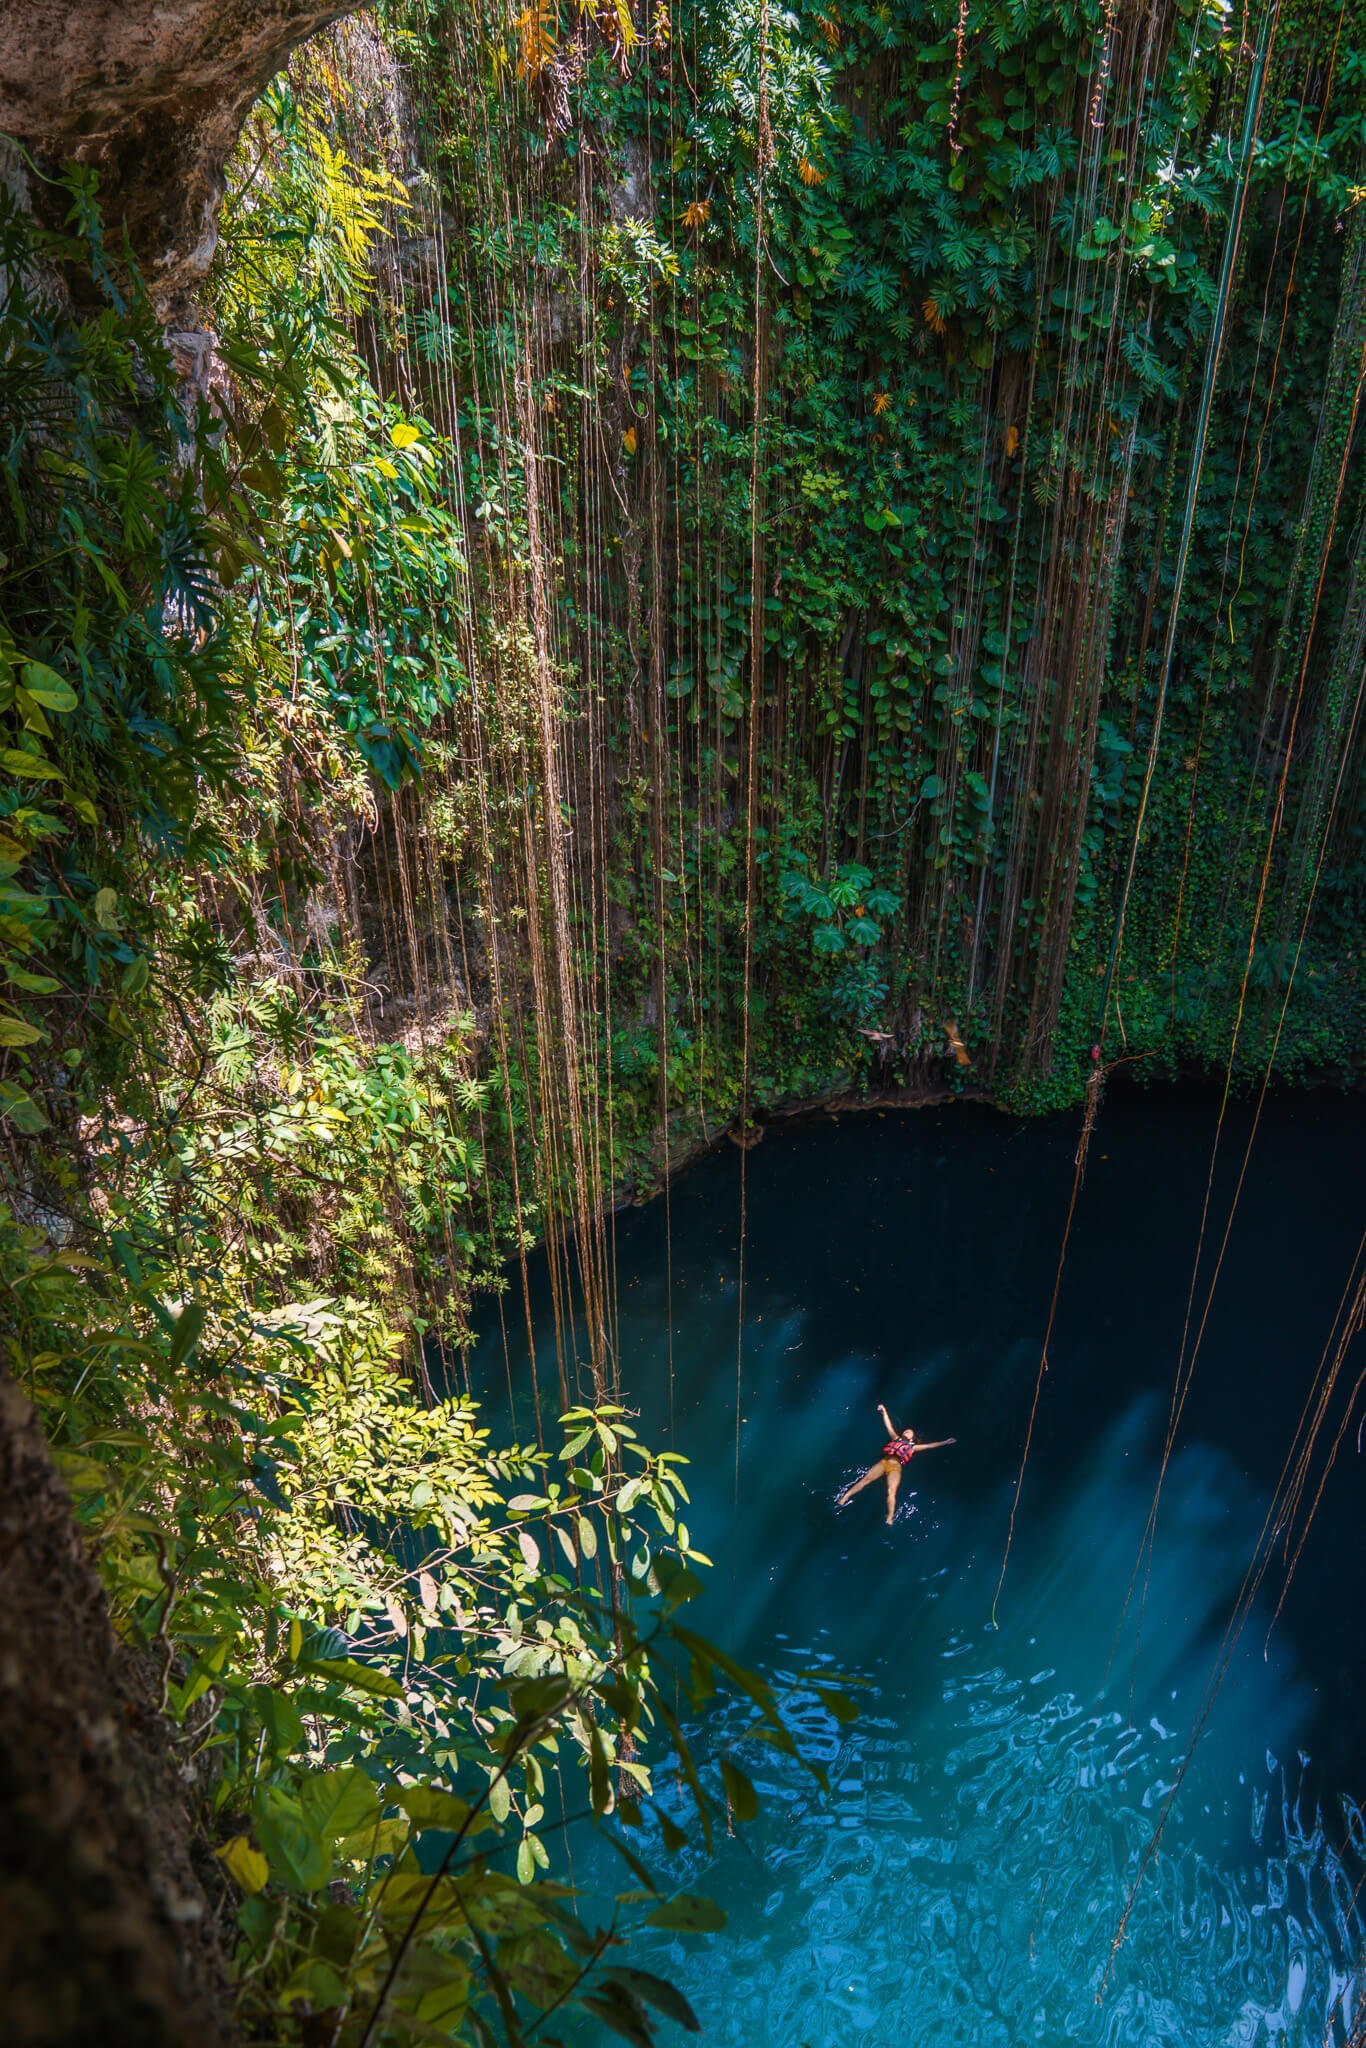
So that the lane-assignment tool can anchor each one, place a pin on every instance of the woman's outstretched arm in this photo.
(938, 1445)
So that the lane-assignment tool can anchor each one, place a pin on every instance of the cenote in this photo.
(579, 579)
(964, 1879)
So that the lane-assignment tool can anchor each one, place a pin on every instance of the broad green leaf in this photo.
(34, 721)
(22, 761)
(689, 1913)
(317, 1982)
(336, 1803)
(659, 1993)
(298, 1854)
(535, 1699)
(410, 1891)
(442, 2008)
(432, 1806)
(676, 1582)
(675, 1837)
(620, 2010)
(741, 1796)
(537, 1965)
(375, 1839)
(22, 1111)
(50, 690)
(189, 1325)
(363, 1677)
(279, 1717)
(839, 1703)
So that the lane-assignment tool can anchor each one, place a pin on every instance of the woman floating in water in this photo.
(896, 1456)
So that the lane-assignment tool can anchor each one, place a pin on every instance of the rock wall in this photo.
(153, 94)
(107, 1936)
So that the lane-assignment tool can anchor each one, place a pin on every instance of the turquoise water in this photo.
(965, 1878)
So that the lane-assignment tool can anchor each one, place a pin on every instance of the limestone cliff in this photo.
(152, 93)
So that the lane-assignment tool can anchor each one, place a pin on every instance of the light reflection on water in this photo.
(980, 1909)
(965, 1878)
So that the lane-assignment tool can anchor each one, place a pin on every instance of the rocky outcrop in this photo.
(153, 94)
(107, 1939)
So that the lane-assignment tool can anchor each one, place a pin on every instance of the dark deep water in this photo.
(965, 1878)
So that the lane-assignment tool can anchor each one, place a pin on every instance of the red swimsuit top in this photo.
(899, 1449)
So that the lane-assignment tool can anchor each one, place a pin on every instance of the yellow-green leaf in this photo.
(50, 690)
(246, 1865)
(23, 761)
(33, 716)
(22, 1111)
(404, 436)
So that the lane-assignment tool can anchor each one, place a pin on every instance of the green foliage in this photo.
(401, 1657)
(397, 1658)
(115, 690)
(988, 279)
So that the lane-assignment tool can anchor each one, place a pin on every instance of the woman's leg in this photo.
(869, 1476)
(893, 1472)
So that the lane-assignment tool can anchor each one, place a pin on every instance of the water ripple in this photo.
(976, 1902)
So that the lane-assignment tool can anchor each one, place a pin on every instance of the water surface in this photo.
(964, 1880)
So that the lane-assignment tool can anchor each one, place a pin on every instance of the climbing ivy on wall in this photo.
(986, 298)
